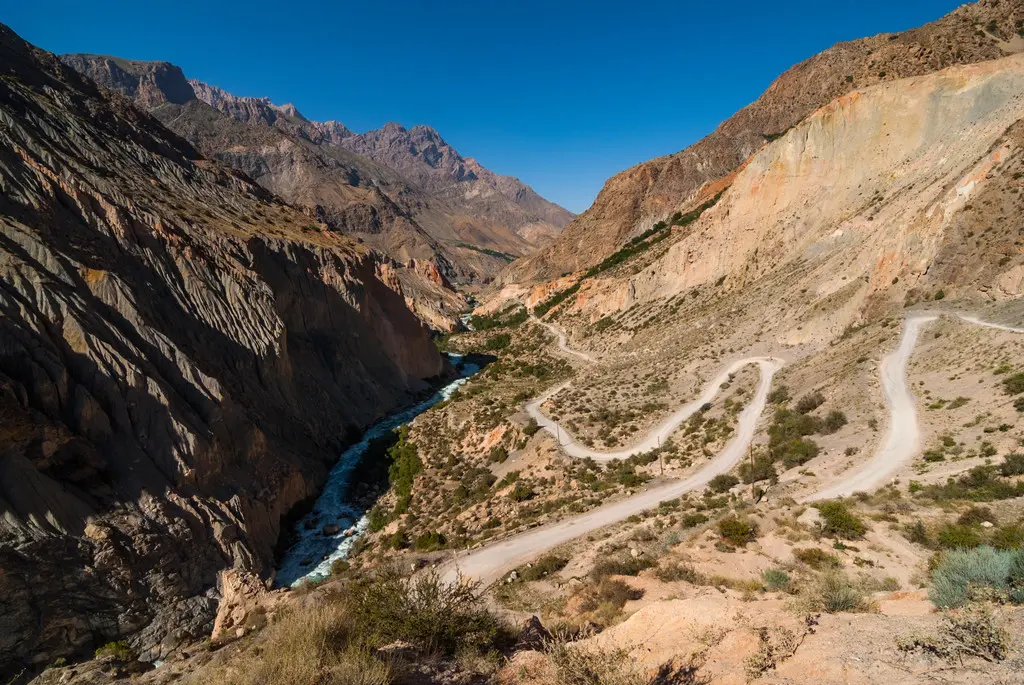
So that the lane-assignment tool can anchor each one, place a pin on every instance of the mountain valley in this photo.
(756, 415)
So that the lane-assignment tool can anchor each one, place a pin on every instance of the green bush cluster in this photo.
(775, 579)
(620, 566)
(509, 317)
(965, 573)
(543, 567)
(498, 342)
(1014, 385)
(434, 616)
(737, 531)
(405, 464)
(833, 592)
(980, 484)
(816, 558)
(722, 483)
(115, 651)
(839, 522)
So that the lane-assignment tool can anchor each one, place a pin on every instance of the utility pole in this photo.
(558, 435)
(753, 479)
(661, 457)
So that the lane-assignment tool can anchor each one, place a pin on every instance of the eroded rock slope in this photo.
(182, 356)
(636, 198)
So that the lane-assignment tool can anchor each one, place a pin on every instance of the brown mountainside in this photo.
(182, 357)
(423, 157)
(638, 197)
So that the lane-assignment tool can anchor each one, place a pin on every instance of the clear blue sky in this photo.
(562, 94)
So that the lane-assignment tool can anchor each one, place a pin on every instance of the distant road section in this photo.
(903, 436)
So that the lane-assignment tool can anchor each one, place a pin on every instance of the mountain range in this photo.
(206, 298)
(442, 218)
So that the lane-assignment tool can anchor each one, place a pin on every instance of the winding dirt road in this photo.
(660, 433)
(901, 443)
(903, 436)
(487, 564)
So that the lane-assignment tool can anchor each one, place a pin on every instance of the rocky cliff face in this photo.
(262, 111)
(182, 356)
(646, 193)
(148, 83)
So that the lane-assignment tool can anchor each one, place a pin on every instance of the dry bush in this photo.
(832, 592)
(580, 664)
(308, 647)
(972, 631)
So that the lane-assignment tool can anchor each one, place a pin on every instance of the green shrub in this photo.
(959, 572)
(980, 484)
(838, 521)
(522, 492)
(917, 533)
(378, 518)
(737, 531)
(497, 455)
(115, 651)
(810, 402)
(833, 422)
(430, 542)
(675, 572)
(624, 566)
(774, 579)
(692, 520)
(798, 452)
(617, 592)
(833, 593)
(543, 567)
(1008, 537)
(816, 558)
(955, 536)
(1013, 465)
(498, 342)
(976, 515)
(761, 469)
(405, 465)
(779, 395)
(1014, 385)
(531, 428)
(723, 483)
(434, 616)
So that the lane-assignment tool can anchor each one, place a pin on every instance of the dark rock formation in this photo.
(182, 357)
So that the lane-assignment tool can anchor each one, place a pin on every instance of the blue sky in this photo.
(562, 94)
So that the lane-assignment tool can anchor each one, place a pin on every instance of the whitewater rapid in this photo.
(311, 556)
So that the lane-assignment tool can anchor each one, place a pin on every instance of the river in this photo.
(310, 558)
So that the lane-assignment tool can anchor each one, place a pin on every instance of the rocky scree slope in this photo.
(633, 200)
(182, 356)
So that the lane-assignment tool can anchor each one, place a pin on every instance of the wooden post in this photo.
(753, 480)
